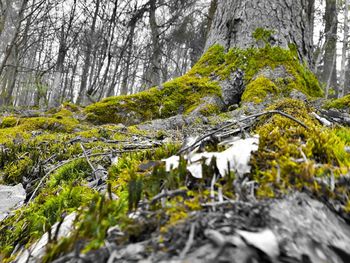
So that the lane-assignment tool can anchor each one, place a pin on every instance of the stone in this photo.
(11, 197)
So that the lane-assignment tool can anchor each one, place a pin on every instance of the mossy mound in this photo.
(291, 157)
(179, 96)
(341, 104)
(184, 94)
(218, 64)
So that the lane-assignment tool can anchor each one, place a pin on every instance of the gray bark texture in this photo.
(236, 21)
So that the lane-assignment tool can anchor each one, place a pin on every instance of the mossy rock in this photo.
(341, 104)
(8, 122)
(291, 157)
(179, 96)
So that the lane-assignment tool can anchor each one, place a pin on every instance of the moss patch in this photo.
(259, 89)
(291, 157)
(182, 95)
(342, 103)
(177, 96)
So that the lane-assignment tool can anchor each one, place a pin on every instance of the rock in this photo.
(37, 250)
(305, 227)
(298, 95)
(11, 197)
(206, 104)
(172, 123)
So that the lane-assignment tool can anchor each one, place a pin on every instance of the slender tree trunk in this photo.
(211, 14)
(331, 27)
(57, 85)
(125, 86)
(87, 60)
(342, 87)
(156, 57)
(109, 48)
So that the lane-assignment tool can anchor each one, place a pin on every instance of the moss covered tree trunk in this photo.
(291, 21)
(244, 24)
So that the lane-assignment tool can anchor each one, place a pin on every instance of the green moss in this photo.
(8, 122)
(342, 103)
(262, 34)
(31, 222)
(183, 94)
(176, 96)
(210, 109)
(291, 157)
(16, 170)
(252, 61)
(258, 89)
(209, 62)
(344, 134)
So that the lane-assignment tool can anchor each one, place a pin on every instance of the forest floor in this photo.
(266, 182)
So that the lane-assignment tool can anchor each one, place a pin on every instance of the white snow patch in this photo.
(236, 158)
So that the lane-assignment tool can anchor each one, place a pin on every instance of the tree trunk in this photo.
(54, 100)
(130, 44)
(342, 86)
(236, 24)
(329, 75)
(156, 57)
(82, 98)
(236, 21)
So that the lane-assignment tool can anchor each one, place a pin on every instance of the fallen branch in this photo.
(241, 120)
(189, 242)
(168, 194)
(87, 158)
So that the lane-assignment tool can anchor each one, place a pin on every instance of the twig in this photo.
(47, 175)
(168, 194)
(189, 241)
(74, 159)
(87, 158)
(241, 120)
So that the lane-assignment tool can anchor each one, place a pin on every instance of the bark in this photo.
(10, 48)
(235, 22)
(342, 86)
(330, 57)
(125, 86)
(156, 57)
(82, 98)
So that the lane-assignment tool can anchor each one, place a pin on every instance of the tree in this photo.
(329, 75)
(63, 34)
(279, 23)
(87, 56)
(342, 86)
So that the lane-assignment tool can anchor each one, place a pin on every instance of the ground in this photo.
(104, 164)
